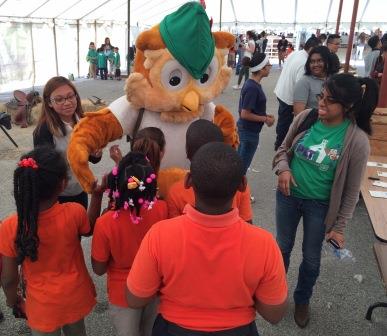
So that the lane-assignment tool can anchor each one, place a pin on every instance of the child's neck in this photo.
(209, 210)
(47, 204)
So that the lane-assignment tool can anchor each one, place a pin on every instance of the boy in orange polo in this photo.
(198, 134)
(212, 270)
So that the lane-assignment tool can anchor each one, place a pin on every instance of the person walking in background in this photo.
(264, 41)
(320, 166)
(117, 64)
(252, 109)
(370, 59)
(91, 57)
(281, 46)
(102, 63)
(317, 69)
(108, 50)
(292, 71)
(248, 54)
(379, 65)
(333, 44)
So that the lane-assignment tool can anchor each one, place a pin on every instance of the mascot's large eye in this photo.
(210, 74)
(173, 76)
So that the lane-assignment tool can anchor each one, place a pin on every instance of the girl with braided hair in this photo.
(132, 189)
(43, 237)
(320, 166)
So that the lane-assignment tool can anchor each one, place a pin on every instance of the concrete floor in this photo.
(339, 303)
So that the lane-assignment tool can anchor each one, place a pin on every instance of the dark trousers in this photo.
(243, 72)
(285, 119)
(289, 210)
(103, 73)
(162, 327)
(82, 199)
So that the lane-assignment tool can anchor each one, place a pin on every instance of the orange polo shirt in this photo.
(117, 241)
(59, 288)
(179, 197)
(209, 270)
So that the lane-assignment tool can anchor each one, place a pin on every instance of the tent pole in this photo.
(95, 33)
(351, 34)
(56, 48)
(128, 58)
(339, 16)
(383, 85)
(220, 15)
(78, 51)
(33, 57)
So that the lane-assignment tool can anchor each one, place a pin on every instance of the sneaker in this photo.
(302, 315)
(252, 199)
(237, 87)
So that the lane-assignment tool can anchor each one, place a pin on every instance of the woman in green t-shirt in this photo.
(320, 166)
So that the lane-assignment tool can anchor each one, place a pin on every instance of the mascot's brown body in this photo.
(171, 95)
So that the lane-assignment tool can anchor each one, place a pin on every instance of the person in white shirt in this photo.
(293, 70)
(248, 54)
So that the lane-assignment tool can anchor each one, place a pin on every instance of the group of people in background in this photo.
(104, 62)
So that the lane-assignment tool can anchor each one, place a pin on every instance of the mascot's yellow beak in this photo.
(190, 102)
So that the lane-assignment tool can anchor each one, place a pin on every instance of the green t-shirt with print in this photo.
(315, 159)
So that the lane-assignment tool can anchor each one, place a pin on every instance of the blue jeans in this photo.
(285, 119)
(289, 210)
(248, 145)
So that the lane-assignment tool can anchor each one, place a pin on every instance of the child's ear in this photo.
(188, 181)
(243, 185)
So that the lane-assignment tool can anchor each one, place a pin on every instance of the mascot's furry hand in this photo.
(93, 132)
(179, 68)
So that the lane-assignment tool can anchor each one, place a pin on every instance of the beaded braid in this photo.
(27, 204)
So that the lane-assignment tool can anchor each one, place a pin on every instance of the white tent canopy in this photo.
(149, 12)
(43, 38)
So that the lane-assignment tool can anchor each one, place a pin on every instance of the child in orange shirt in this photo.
(43, 237)
(212, 270)
(199, 133)
(118, 234)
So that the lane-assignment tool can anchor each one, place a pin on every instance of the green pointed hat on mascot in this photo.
(187, 35)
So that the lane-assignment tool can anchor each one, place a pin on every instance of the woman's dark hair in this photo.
(359, 97)
(257, 59)
(31, 186)
(325, 55)
(151, 142)
(252, 34)
(133, 184)
(49, 115)
(373, 41)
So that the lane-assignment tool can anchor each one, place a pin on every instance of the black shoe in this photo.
(1, 317)
(302, 315)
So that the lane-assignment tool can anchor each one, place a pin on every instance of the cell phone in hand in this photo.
(334, 243)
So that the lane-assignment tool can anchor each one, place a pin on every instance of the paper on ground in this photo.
(378, 194)
(376, 164)
(382, 174)
(380, 184)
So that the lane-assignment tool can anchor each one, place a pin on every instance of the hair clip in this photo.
(28, 163)
(141, 187)
(133, 182)
(131, 203)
